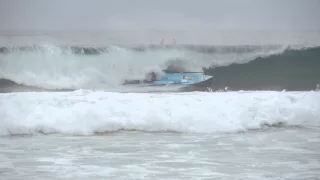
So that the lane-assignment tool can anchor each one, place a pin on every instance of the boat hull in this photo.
(175, 82)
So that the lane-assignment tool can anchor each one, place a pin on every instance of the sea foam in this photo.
(87, 112)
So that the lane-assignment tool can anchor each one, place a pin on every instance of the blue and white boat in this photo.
(185, 80)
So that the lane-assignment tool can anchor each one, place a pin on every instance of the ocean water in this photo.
(65, 113)
(54, 67)
(201, 135)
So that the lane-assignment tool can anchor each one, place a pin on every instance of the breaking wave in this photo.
(86, 112)
(243, 67)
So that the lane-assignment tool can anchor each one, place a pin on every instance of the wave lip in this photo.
(86, 112)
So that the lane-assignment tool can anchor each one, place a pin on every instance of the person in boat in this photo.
(153, 76)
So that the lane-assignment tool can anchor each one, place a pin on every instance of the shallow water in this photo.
(274, 153)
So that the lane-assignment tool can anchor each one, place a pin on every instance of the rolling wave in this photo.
(293, 69)
(246, 67)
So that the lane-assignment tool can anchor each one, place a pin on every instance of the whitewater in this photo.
(92, 134)
(86, 112)
(64, 113)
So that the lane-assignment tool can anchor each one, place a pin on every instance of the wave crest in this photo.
(53, 67)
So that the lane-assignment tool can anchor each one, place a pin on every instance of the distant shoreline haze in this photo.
(249, 37)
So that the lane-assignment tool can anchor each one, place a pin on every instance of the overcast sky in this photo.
(159, 14)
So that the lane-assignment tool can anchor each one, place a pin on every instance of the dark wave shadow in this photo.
(293, 70)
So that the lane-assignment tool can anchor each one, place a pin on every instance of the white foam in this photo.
(51, 67)
(87, 112)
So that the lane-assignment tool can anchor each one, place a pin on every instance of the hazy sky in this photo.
(159, 14)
